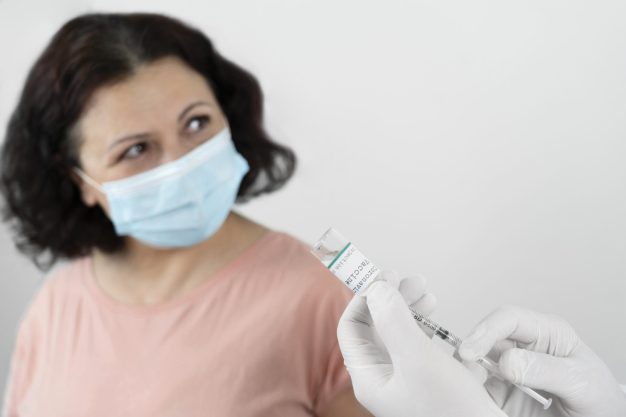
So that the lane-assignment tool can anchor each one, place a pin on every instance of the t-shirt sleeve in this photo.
(23, 363)
(335, 379)
(27, 352)
(321, 300)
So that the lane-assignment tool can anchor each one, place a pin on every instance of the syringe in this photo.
(357, 272)
(455, 342)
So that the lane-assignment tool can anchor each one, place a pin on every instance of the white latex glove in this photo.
(543, 352)
(395, 368)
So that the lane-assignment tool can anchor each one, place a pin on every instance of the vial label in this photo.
(353, 268)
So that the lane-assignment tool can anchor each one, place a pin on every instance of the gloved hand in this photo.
(395, 368)
(543, 352)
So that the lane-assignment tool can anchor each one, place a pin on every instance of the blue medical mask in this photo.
(179, 203)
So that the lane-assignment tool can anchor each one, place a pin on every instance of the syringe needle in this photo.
(455, 342)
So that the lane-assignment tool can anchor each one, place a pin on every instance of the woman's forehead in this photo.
(155, 92)
(164, 83)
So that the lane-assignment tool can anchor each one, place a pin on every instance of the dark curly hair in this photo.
(43, 204)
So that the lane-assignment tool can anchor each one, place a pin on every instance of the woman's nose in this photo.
(175, 148)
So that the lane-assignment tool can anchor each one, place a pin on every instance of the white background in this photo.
(482, 143)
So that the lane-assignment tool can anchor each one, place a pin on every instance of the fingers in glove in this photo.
(412, 288)
(499, 391)
(539, 370)
(523, 326)
(414, 292)
(499, 347)
(477, 371)
(357, 338)
(390, 276)
(394, 322)
(356, 312)
(425, 305)
(503, 323)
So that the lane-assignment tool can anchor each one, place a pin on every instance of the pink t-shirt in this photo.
(256, 339)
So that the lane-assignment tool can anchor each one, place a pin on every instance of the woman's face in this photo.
(164, 110)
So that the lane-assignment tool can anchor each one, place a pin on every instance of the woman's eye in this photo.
(197, 123)
(134, 151)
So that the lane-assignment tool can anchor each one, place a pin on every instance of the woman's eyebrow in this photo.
(127, 138)
(191, 106)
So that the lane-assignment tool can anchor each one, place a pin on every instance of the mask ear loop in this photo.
(88, 179)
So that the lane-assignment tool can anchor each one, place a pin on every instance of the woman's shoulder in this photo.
(276, 249)
(292, 257)
(66, 279)
(292, 251)
(60, 288)
(308, 291)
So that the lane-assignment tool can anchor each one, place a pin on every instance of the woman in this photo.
(130, 143)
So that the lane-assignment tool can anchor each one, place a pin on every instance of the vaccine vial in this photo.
(345, 261)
